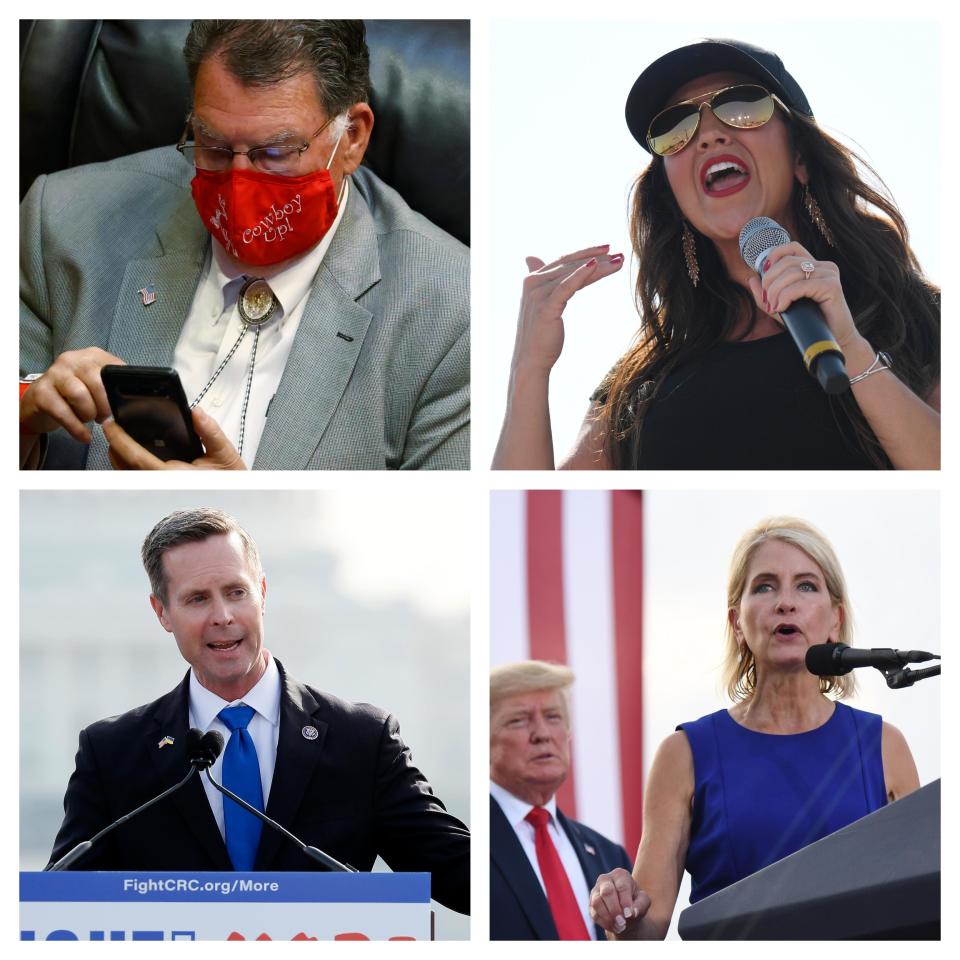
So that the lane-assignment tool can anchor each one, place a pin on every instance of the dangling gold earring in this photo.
(815, 214)
(690, 254)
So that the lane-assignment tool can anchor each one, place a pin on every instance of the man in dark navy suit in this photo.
(336, 774)
(542, 864)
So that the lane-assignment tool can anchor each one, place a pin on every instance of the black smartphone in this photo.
(149, 403)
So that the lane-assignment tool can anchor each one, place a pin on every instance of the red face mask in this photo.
(263, 218)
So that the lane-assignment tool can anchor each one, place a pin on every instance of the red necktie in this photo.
(563, 904)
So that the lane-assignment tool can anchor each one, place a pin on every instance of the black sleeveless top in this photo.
(744, 405)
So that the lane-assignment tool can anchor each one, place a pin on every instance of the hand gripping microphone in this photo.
(202, 751)
(803, 318)
(329, 862)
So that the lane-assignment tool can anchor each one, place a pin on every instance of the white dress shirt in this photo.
(213, 325)
(516, 810)
(264, 729)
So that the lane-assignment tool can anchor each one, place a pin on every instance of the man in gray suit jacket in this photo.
(114, 258)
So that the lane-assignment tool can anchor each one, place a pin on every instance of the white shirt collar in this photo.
(515, 809)
(290, 280)
(264, 697)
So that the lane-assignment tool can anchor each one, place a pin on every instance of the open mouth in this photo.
(724, 176)
(786, 630)
(223, 646)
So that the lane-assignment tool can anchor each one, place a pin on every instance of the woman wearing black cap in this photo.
(711, 380)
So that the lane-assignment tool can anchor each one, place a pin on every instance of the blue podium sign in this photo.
(224, 906)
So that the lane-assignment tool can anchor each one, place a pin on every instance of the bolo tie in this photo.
(256, 304)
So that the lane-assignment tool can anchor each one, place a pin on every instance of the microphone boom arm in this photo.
(81, 848)
(898, 678)
(329, 862)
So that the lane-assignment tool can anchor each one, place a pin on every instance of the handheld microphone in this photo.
(329, 862)
(837, 659)
(201, 752)
(803, 318)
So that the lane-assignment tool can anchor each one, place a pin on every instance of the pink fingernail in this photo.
(592, 262)
(766, 265)
(617, 258)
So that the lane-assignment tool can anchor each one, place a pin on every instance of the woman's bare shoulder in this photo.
(672, 767)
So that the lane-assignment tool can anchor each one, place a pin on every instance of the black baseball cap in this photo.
(650, 91)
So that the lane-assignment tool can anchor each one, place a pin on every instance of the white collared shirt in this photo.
(516, 810)
(264, 729)
(213, 325)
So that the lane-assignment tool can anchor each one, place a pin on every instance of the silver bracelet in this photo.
(882, 361)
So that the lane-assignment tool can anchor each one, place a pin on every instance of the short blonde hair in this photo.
(526, 676)
(739, 667)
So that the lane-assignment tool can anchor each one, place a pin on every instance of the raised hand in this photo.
(546, 291)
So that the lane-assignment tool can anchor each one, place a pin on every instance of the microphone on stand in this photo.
(201, 752)
(313, 852)
(803, 318)
(837, 659)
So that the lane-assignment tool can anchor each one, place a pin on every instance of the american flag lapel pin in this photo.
(165, 742)
(590, 850)
(148, 294)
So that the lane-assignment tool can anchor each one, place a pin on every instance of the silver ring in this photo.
(807, 267)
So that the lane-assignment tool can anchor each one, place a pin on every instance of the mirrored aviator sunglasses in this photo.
(742, 106)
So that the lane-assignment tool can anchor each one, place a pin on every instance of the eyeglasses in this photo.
(743, 107)
(281, 158)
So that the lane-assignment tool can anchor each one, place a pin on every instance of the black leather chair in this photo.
(94, 90)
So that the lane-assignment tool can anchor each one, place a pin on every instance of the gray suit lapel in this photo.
(321, 362)
(147, 335)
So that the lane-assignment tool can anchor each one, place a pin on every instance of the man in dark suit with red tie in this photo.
(542, 864)
(336, 774)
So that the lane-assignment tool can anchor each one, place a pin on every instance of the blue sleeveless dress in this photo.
(759, 797)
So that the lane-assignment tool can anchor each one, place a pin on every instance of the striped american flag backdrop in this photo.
(566, 585)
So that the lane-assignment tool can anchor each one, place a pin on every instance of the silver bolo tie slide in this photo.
(256, 304)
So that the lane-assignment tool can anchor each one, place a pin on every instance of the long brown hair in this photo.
(894, 307)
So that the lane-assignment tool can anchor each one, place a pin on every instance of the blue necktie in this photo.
(241, 774)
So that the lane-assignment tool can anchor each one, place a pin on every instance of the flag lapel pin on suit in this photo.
(165, 742)
(148, 294)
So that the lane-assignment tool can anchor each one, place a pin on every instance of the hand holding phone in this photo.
(70, 394)
(150, 405)
(127, 454)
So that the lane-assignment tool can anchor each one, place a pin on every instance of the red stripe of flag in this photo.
(627, 542)
(546, 628)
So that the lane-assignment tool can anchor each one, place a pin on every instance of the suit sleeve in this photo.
(36, 336)
(438, 429)
(438, 437)
(59, 450)
(413, 830)
(85, 811)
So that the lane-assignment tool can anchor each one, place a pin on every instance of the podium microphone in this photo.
(202, 750)
(329, 862)
(837, 659)
(803, 318)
